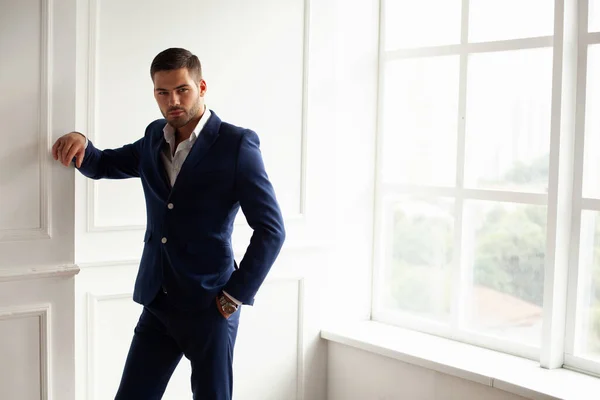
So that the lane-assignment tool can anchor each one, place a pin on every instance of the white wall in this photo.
(355, 374)
(355, 56)
(36, 203)
(265, 63)
(302, 73)
(36, 337)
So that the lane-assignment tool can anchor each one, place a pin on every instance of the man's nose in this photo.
(173, 100)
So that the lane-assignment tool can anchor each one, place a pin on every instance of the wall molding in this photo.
(92, 302)
(42, 312)
(41, 272)
(94, 299)
(92, 100)
(304, 123)
(43, 231)
(300, 340)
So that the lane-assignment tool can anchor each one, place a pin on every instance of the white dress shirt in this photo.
(172, 157)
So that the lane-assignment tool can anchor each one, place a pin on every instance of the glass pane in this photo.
(591, 165)
(419, 242)
(491, 20)
(410, 23)
(420, 112)
(504, 246)
(588, 334)
(508, 120)
(594, 16)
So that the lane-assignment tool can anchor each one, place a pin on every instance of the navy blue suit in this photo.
(188, 258)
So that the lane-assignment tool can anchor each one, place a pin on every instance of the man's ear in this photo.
(201, 86)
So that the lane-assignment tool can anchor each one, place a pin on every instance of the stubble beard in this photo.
(184, 119)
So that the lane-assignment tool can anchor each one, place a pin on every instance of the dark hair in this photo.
(175, 58)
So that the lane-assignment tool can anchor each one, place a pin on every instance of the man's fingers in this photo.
(69, 147)
(71, 154)
(64, 153)
(55, 148)
(59, 150)
(79, 157)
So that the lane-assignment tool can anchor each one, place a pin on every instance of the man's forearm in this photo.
(119, 163)
(256, 264)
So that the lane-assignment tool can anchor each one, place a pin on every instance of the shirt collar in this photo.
(169, 131)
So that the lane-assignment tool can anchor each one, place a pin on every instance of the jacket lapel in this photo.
(206, 138)
(157, 150)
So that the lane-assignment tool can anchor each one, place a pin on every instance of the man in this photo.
(196, 172)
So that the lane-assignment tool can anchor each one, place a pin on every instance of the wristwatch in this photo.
(227, 306)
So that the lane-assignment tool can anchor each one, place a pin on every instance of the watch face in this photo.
(226, 306)
(229, 309)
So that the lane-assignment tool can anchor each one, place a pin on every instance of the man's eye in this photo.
(183, 90)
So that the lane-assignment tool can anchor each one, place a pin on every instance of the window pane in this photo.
(594, 16)
(418, 255)
(420, 112)
(504, 244)
(591, 166)
(588, 333)
(410, 23)
(491, 20)
(508, 120)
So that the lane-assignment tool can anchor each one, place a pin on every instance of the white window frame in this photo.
(563, 199)
(576, 281)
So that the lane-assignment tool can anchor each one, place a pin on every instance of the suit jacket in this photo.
(187, 246)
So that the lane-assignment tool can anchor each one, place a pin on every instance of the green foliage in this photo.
(420, 280)
(510, 246)
(509, 254)
(422, 241)
(536, 172)
(421, 290)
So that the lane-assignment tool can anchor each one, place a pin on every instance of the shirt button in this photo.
(170, 206)
(164, 240)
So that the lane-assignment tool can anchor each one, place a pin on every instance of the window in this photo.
(583, 332)
(474, 106)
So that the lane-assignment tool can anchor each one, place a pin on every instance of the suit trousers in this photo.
(163, 335)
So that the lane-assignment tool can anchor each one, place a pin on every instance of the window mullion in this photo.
(462, 274)
(378, 206)
(472, 48)
(560, 185)
(575, 295)
(592, 38)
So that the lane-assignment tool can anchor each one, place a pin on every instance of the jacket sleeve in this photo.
(118, 163)
(261, 209)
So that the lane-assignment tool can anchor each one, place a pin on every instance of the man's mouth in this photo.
(175, 113)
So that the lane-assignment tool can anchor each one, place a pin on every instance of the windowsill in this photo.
(502, 371)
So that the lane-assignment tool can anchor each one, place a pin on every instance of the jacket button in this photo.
(170, 206)
(164, 240)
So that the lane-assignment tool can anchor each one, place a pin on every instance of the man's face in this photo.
(179, 97)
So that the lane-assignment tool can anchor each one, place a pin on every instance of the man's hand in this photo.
(69, 146)
(230, 308)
